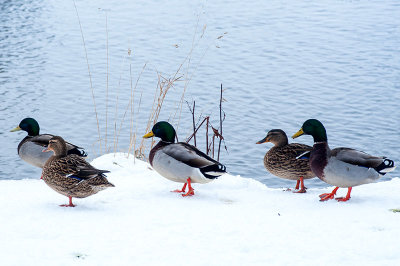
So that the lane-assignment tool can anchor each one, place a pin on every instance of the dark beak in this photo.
(262, 141)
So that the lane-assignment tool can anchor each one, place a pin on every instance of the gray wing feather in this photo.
(356, 157)
(188, 154)
(43, 140)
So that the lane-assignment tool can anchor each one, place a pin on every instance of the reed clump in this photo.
(132, 111)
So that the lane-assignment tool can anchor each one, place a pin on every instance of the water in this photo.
(281, 62)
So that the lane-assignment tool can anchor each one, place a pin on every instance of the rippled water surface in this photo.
(281, 62)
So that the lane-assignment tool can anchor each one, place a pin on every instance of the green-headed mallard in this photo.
(181, 162)
(30, 148)
(71, 175)
(282, 159)
(341, 167)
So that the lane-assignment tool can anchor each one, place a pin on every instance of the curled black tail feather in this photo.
(213, 171)
(387, 163)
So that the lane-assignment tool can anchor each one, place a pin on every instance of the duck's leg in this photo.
(303, 189)
(182, 190)
(68, 205)
(296, 188)
(347, 195)
(297, 184)
(327, 196)
(190, 189)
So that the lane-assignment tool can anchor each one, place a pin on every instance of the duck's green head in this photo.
(29, 125)
(314, 128)
(162, 130)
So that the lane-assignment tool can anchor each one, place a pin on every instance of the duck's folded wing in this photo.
(356, 157)
(76, 167)
(298, 150)
(41, 140)
(189, 155)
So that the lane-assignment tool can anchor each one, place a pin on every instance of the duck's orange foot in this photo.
(347, 195)
(326, 196)
(190, 189)
(189, 193)
(342, 198)
(70, 204)
(303, 190)
(180, 190)
(67, 205)
(300, 183)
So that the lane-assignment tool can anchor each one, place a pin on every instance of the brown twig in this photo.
(197, 129)
(208, 121)
(220, 123)
(192, 110)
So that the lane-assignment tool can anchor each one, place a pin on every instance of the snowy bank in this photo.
(231, 221)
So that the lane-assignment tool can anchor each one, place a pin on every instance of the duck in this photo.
(341, 167)
(283, 161)
(30, 148)
(181, 162)
(70, 174)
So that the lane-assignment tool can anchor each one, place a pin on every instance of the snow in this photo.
(231, 221)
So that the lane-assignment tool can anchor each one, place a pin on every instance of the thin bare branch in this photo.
(90, 75)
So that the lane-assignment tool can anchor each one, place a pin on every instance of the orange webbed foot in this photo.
(189, 193)
(70, 204)
(190, 189)
(67, 205)
(328, 196)
(303, 190)
(180, 190)
(342, 199)
(300, 182)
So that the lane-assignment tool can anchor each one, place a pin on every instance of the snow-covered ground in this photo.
(231, 221)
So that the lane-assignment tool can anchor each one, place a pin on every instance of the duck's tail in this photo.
(385, 167)
(100, 182)
(213, 171)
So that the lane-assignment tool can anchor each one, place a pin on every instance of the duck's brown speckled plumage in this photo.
(281, 160)
(71, 175)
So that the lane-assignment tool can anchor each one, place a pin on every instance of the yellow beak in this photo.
(15, 129)
(298, 133)
(149, 135)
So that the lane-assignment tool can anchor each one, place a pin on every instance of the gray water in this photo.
(281, 62)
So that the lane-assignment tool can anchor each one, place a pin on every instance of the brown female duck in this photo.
(282, 159)
(70, 175)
